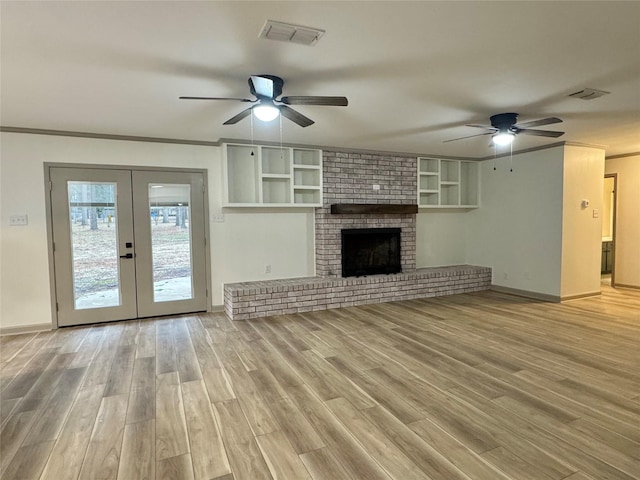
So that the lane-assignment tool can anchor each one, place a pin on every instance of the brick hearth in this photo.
(279, 297)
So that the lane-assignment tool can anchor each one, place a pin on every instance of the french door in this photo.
(127, 243)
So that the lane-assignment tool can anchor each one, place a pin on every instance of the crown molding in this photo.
(106, 136)
(181, 141)
(623, 155)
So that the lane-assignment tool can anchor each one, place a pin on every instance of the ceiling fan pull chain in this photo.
(253, 146)
(511, 157)
(281, 152)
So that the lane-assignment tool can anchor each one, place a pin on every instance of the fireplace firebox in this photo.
(370, 251)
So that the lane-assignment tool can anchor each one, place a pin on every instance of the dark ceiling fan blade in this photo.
(538, 123)
(475, 125)
(295, 117)
(539, 133)
(310, 100)
(217, 98)
(243, 114)
(262, 86)
(469, 136)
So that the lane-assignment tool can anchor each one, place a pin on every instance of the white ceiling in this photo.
(414, 72)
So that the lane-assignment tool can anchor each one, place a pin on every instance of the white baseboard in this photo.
(582, 295)
(36, 327)
(545, 297)
(45, 327)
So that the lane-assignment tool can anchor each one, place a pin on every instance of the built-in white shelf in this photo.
(448, 183)
(267, 176)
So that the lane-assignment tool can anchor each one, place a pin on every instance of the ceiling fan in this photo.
(267, 89)
(504, 128)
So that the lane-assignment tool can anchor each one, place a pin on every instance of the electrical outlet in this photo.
(596, 213)
(505, 276)
(217, 217)
(18, 220)
(267, 269)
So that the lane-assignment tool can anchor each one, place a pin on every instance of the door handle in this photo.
(128, 255)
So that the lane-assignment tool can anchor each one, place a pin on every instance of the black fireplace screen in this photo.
(370, 251)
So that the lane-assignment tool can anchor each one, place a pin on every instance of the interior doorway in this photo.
(607, 270)
(127, 243)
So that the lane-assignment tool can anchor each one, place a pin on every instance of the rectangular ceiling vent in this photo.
(287, 32)
(588, 94)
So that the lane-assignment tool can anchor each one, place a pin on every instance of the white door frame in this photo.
(49, 221)
(614, 207)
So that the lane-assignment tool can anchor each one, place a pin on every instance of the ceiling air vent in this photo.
(286, 32)
(588, 94)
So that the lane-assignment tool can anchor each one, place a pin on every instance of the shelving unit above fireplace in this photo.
(447, 183)
(268, 176)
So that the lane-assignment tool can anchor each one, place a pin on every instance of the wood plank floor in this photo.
(475, 386)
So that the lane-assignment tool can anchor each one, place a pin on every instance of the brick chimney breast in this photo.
(371, 179)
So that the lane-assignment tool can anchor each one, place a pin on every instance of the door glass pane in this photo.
(170, 218)
(94, 244)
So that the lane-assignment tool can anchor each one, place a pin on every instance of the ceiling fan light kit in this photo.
(503, 138)
(266, 112)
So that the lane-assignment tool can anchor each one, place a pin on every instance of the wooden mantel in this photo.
(373, 208)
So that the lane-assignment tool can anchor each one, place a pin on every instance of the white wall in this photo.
(440, 238)
(517, 231)
(240, 247)
(627, 240)
(583, 179)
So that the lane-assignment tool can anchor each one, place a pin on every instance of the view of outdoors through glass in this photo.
(170, 217)
(94, 244)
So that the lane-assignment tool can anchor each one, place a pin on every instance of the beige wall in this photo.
(240, 247)
(627, 235)
(583, 179)
(440, 238)
(517, 231)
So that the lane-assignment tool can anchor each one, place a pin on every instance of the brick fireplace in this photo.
(350, 178)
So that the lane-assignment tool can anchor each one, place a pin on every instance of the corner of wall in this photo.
(517, 231)
(582, 186)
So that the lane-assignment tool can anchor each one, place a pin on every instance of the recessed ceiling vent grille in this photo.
(286, 32)
(588, 94)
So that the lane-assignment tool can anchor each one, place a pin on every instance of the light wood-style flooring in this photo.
(481, 386)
